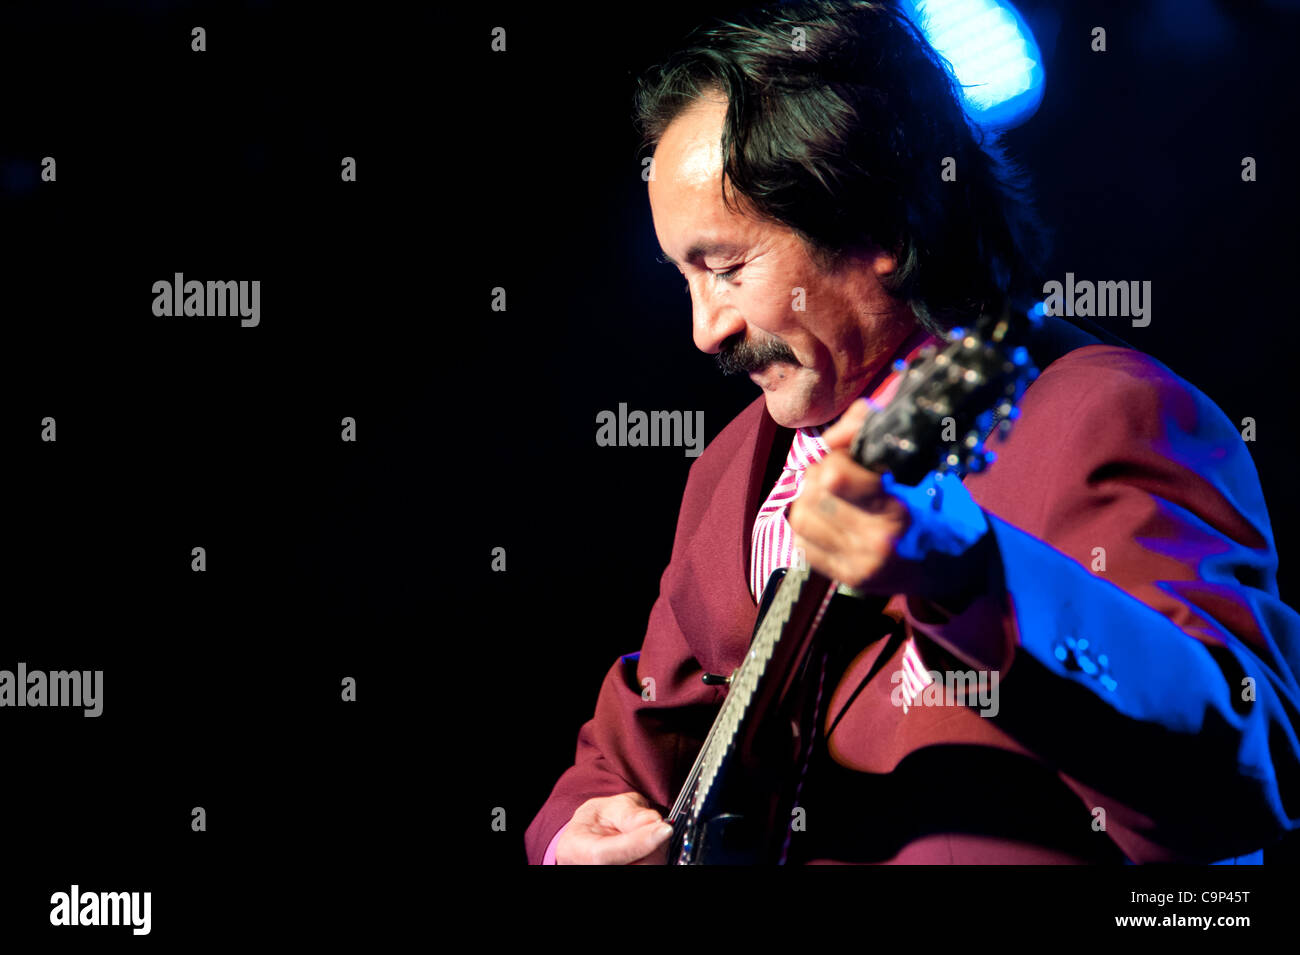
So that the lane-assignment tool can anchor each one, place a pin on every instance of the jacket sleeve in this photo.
(653, 710)
(1144, 651)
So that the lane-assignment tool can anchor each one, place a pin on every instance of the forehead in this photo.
(686, 191)
(689, 153)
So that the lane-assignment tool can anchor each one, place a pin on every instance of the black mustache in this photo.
(740, 357)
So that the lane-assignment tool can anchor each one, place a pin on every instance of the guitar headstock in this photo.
(950, 399)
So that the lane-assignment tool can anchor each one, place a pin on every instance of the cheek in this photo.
(771, 305)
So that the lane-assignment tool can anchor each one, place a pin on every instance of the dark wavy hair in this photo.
(844, 141)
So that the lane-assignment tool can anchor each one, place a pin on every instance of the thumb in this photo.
(840, 434)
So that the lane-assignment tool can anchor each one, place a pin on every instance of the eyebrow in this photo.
(699, 250)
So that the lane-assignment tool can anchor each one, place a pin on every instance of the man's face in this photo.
(744, 275)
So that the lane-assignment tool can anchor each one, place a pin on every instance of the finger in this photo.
(836, 523)
(628, 847)
(628, 814)
(833, 523)
(832, 561)
(818, 518)
(818, 558)
(840, 475)
(840, 434)
(840, 539)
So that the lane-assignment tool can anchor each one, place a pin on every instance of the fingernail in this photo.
(664, 830)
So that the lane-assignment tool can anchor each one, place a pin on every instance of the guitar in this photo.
(738, 802)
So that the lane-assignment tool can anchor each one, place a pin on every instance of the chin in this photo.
(790, 413)
(792, 403)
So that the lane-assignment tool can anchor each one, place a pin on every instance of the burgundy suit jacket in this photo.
(1147, 710)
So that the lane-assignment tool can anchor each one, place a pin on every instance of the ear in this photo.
(882, 263)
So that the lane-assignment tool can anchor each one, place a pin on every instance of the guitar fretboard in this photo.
(799, 585)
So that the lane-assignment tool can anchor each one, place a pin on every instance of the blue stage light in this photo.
(993, 55)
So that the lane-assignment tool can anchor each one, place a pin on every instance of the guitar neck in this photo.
(764, 677)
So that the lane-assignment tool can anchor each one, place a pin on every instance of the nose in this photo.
(713, 320)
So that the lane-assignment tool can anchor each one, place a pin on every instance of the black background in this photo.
(221, 689)
(476, 428)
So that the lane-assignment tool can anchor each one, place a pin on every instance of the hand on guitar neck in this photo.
(614, 830)
(865, 530)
